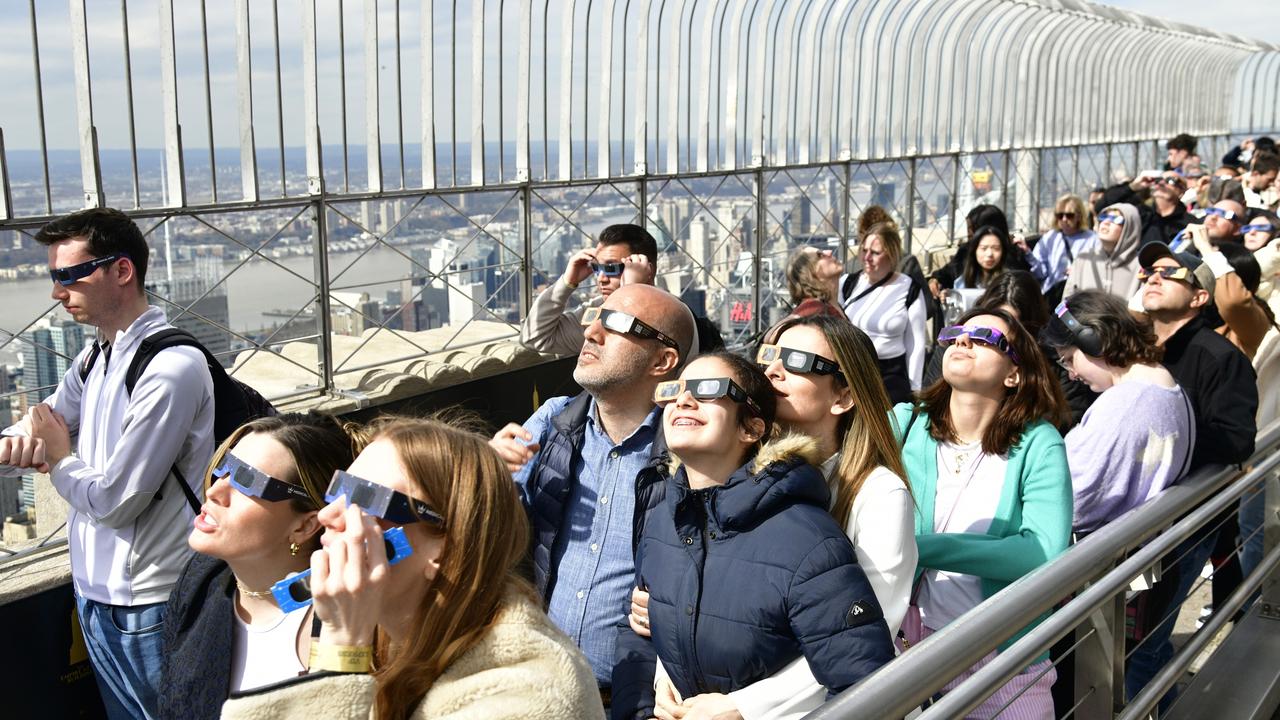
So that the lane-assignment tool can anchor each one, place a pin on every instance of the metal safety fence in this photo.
(1086, 590)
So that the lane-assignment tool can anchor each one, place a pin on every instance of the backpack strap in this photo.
(87, 366)
(913, 292)
(148, 349)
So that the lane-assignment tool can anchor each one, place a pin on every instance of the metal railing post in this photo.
(1036, 180)
(762, 212)
(1075, 170)
(955, 198)
(1106, 172)
(324, 318)
(1137, 159)
(845, 225)
(910, 220)
(1271, 533)
(526, 243)
(1004, 181)
(1099, 662)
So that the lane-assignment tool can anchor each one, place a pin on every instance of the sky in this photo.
(18, 119)
(1257, 19)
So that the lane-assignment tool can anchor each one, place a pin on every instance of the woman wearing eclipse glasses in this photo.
(258, 524)
(826, 379)
(993, 490)
(743, 549)
(447, 627)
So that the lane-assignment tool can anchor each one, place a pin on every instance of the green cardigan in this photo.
(1032, 523)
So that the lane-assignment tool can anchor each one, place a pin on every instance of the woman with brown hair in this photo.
(1058, 248)
(1137, 437)
(450, 630)
(813, 276)
(993, 490)
(259, 523)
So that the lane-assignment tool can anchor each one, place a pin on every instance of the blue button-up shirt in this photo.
(1050, 258)
(592, 559)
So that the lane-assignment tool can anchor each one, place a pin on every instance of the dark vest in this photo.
(554, 473)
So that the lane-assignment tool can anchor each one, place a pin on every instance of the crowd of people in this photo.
(701, 532)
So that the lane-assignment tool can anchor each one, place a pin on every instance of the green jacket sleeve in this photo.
(1042, 513)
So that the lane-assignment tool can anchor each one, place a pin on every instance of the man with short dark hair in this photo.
(625, 254)
(590, 467)
(1179, 148)
(1221, 384)
(1259, 182)
(109, 453)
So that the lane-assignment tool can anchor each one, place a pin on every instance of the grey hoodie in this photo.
(1116, 273)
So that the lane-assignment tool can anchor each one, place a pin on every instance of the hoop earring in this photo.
(293, 549)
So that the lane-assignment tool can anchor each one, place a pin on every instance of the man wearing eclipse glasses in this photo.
(1221, 384)
(590, 467)
(625, 255)
(109, 453)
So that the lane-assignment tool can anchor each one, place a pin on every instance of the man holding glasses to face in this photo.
(625, 255)
(109, 452)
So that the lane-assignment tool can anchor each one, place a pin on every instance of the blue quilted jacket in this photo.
(744, 578)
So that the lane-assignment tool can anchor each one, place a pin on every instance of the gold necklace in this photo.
(252, 593)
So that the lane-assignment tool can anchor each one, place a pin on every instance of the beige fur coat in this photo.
(524, 668)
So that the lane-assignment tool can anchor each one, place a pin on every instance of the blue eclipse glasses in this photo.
(253, 482)
(294, 592)
(75, 273)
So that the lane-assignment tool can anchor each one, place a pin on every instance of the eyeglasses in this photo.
(380, 500)
(253, 482)
(1165, 273)
(990, 337)
(1228, 215)
(75, 273)
(1113, 218)
(798, 361)
(1260, 227)
(1065, 216)
(625, 324)
(608, 269)
(704, 389)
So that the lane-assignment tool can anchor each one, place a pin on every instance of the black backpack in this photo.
(234, 403)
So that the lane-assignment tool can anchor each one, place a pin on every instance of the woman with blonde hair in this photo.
(449, 630)
(888, 306)
(258, 523)
(813, 277)
(1058, 248)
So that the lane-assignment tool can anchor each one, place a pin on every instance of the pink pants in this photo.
(1034, 704)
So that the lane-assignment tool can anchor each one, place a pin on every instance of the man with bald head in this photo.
(590, 467)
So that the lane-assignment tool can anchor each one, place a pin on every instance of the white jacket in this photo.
(128, 523)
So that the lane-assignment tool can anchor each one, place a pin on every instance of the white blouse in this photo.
(894, 328)
(262, 655)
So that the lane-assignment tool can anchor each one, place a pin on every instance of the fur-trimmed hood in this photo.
(785, 471)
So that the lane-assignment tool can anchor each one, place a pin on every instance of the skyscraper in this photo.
(197, 301)
(56, 345)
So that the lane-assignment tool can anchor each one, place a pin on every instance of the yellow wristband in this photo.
(342, 658)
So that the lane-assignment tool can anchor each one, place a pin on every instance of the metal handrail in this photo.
(916, 676)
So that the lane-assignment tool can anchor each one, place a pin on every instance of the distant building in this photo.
(196, 301)
(55, 347)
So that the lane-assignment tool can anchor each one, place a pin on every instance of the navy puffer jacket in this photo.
(744, 578)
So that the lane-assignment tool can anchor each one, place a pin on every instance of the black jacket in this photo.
(1155, 227)
(1223, 390)
(198, 632)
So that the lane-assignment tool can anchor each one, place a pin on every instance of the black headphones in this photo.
(1087, 339)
